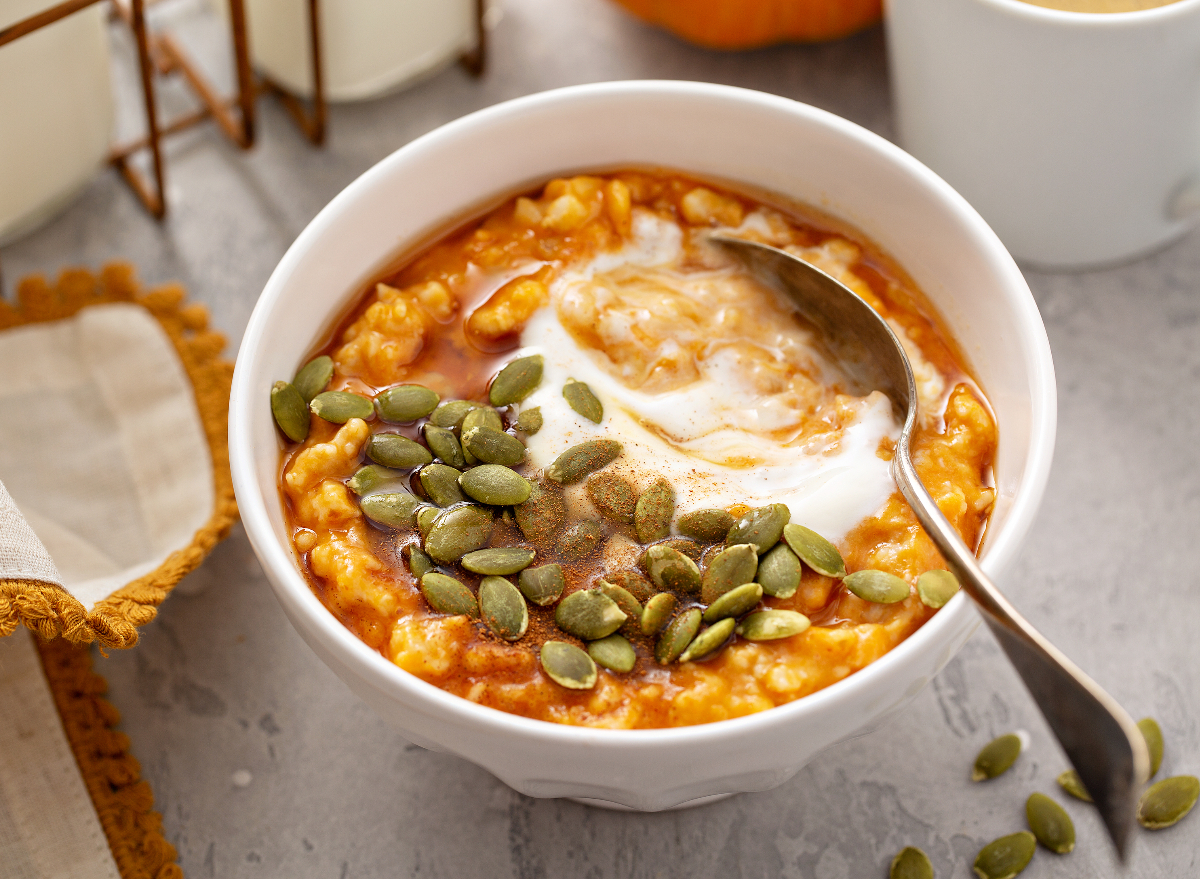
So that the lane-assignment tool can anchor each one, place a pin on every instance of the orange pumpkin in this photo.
(746, 24)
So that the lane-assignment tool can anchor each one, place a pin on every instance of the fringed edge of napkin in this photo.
(48, 609)
(123, 801)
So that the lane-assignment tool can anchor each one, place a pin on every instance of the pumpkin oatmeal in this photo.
(575, 462)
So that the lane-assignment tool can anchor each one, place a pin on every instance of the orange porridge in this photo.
(575, 463)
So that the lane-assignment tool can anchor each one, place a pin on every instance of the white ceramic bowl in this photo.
(728, 133)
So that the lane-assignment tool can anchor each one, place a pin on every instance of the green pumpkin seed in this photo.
(396, 509)
(313, 377)
(493, 446)
(542, 516)
(393, 450)
(405, 403)
(457, 532)
(568, 666)
(1005, 857)
(419, 564)
(995, 758)
(935, 588)
(709, 641)
(502, 608)
(1167, 801)
(498, 560)
(654, 510)
(1073, 784)
(1154, 742)
(614, 653)
(516, 381)
(444, 444)
(771, 625)
(530, 420)
(495, 485)
(814, 550)
(290, 411)
(911, 863)
(706, 526)
(426, 516)
(451, 413)
(441, 484)
(630, 606)
(372, 477)
(762, 527)
(632, 582)
(677, 636)
(729, 568)
(580, 398)
(655, 614)
(670, 569)
(447, 595)
(580, 460)
(340, 406)
(779, 572)
(613, 496)
(484, 416)
(589, 615)
(580, 540)
(542, 585)
(1050, 823)
(689, 548)
(879, 587)
(737, 601)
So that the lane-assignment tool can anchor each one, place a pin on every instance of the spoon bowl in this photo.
(1099, 737)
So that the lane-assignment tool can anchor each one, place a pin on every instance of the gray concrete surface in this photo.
(265, 765)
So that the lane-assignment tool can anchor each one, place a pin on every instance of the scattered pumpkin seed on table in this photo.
(677, 636)
(762, 527)
(731, 567)
(530, 420)
(496, 485)
(394, 450)
(737, 601)
(670, 569)
(450, 413)
(779, 572)
(396, 509)
(445, 445)
(542, 585)
(339, 407)
(457, 532)
(995, 758)
(580, 540)
(589, 615)
(613, 652)
(656, 612)
(447, 595)
(580, 460)
(1005, 857)
(814, 550)
(1070, 782)
(498, 560)
(1152, 733)
(878, 587)
(771, 625)
(612, 496)
(705, 526)
(580, 398)
(568, 666)
(935, 588)
(441, 484)
(709, 641)
(516, 381)
(290, 411)
(1050, 823)
(503, 608)
(910, 863)
(405, 403)
(493, 446)
(1167, 801)
(654, 510)
(313, 377)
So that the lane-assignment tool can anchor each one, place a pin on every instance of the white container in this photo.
(56, 113)
(742, 136)
(1076, 135)
(368, 47)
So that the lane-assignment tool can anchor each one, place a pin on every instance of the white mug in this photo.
(1076, 135)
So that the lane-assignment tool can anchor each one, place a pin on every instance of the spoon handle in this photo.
(1099, 737)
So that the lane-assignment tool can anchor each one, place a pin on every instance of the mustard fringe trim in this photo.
(123, 802)
(50, 610)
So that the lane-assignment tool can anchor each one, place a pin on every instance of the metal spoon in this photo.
(1101, 740)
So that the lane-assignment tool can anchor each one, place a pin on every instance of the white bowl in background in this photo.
(736, 135)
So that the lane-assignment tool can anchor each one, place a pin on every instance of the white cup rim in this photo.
(1094, 20)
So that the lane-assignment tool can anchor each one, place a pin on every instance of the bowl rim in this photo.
(302, 604)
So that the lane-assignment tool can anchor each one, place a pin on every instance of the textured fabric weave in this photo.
(22, 556)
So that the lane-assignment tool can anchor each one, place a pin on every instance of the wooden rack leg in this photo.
(309, 119)
(154, 198)
(475, 61)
